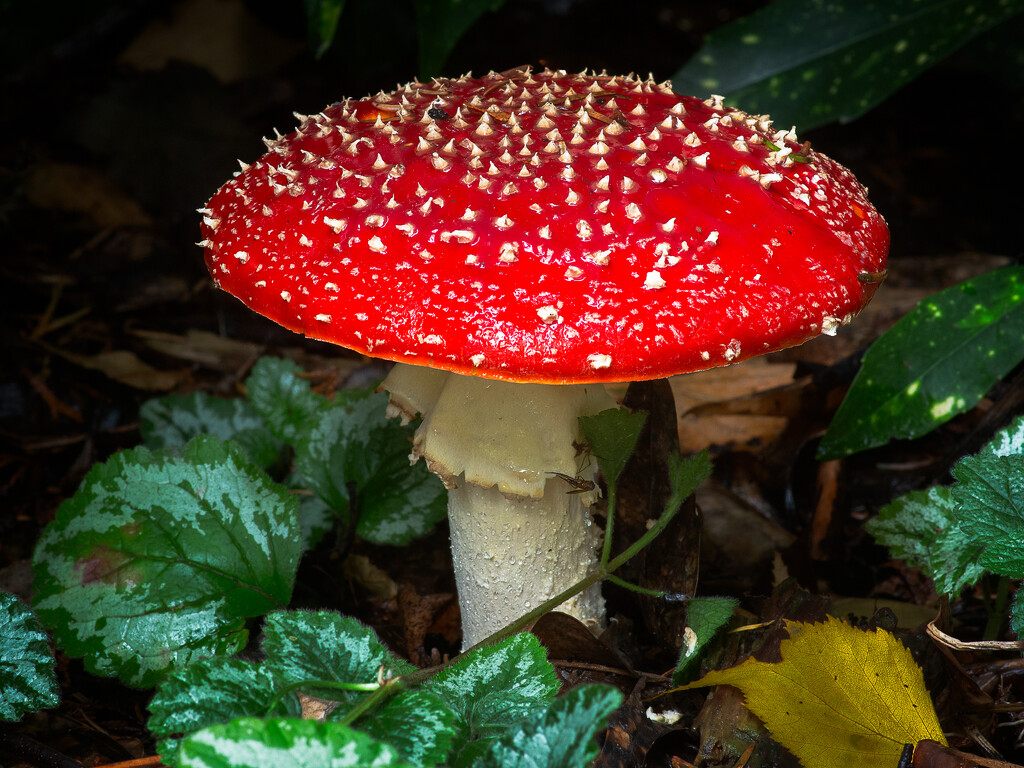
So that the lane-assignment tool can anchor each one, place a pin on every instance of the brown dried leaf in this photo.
(422, 615)
(739, 541)
(931, 754)
(78, 189)
(568, 639)
(221, 37)
(210, 350)
(374, 580)
(128, 368)
(692, 390)
(728, 729)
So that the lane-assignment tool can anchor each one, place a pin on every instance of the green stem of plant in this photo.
(997, 610)
(609, 527)
(379, 695)
(332, 684)
(634, 587)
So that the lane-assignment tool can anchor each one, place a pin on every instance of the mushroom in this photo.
(513, 242)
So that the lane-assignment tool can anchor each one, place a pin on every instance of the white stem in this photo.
(518, 535)
(512, 553)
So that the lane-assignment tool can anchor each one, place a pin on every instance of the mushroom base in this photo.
(532, 549)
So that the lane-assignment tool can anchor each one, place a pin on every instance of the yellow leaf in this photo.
(840, 697)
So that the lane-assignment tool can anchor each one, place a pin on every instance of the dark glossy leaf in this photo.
(284, 400)
(158, 560)
(560, 736)
(612, 436)
(923, 529)
(168, 423)
(416, 723)
(440, 24)
(323, 645)
(704, 617)
(213, 691)
(349, 440)
(302, 648)
(282, 743)
(495, 686)
(473, 752)
(354, 442)
(1017, 613)
(316, 518)
(27, 680)
(809, 62)
(990, 494)
(933, 364)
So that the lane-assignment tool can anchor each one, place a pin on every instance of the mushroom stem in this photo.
(511, 553)
(520, 533)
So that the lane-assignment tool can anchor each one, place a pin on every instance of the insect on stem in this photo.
(578, 484)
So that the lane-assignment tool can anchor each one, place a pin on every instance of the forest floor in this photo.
(112, 142)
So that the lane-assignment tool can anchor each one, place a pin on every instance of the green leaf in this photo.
(562, 736)
(990, 494)
(322, 22)
(441, 23)
(1008, 441)
(168, 423)
(157, 560)
(252, 743)
(209, 692)
(418, 724)
(316, 518)
(304, 648)
(933, 364)
(686, 474)
(810, 62)
(349, 440)
(471, 754)
(922, 528)
(495, 686)
(1017, 613)
(325, 646)
(284, 400)
(704, 616)
(27, 680)
(612, 436)
(354, 442)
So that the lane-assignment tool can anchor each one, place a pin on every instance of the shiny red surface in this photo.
(446, 225)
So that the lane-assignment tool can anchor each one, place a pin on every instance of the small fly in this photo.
(578, 484)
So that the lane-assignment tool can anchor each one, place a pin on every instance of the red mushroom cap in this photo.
(547, 227)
